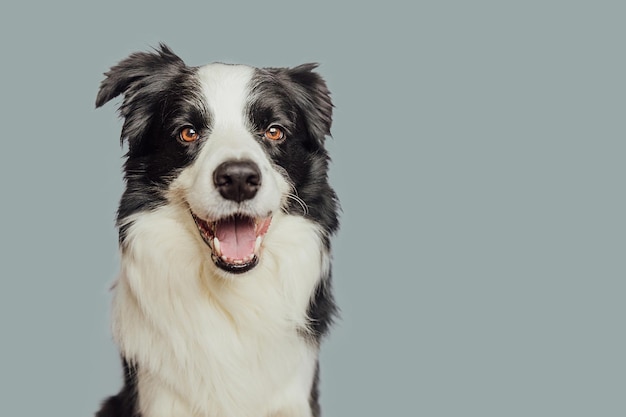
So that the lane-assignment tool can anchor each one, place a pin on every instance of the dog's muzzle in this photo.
(235, 239)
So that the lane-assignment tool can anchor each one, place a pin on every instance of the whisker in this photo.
(293, 193)
(300, 201)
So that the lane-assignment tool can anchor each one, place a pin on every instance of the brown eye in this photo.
(188, 134)
(274, 133)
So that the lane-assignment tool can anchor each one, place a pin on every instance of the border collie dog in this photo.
(224, 226)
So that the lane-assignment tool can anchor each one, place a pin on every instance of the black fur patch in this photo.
(161, 96)
(299, 99)
(124, 404)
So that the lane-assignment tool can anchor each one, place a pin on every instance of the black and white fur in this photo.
(199, 336)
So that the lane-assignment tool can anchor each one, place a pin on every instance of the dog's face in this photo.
(234, 145)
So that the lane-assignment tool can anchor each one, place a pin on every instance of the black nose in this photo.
(237, 180)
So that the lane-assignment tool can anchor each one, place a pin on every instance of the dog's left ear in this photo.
(312, 95)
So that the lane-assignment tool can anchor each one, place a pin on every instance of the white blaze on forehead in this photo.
(227, 90)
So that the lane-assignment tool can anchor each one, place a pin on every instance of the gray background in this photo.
(478, 150)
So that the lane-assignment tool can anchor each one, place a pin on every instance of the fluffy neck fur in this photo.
(211, 345)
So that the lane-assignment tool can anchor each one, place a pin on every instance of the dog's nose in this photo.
(237, 180)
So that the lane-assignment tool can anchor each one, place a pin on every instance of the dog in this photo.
(224, 291)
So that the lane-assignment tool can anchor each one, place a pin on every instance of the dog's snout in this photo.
(237, 180)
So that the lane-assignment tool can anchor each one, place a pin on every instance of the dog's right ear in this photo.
(141, 78)
(129, 73)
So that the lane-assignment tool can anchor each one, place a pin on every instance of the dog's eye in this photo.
(188, 134)
(274, 133)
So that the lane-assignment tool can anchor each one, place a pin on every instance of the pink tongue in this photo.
(236, 237)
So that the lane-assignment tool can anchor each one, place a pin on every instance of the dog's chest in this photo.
(211, 348)
(207, 363)
(235, 374)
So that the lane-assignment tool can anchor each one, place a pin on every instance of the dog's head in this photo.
(234, 145)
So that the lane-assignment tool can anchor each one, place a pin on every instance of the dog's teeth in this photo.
(257, 244)
(217, 246)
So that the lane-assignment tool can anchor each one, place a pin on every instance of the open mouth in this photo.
(235, 241)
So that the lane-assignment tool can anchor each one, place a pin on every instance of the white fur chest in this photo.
(211, 346)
